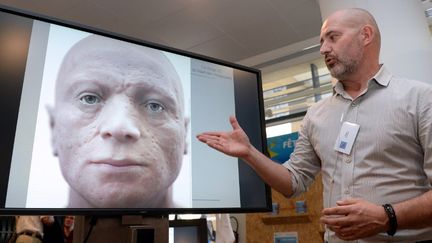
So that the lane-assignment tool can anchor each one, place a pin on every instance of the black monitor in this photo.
(112, 138)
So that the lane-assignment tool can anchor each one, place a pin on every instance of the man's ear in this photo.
(51, 115)
(368, 34)
(186, 126)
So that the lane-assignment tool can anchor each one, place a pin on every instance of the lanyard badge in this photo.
(346, 138)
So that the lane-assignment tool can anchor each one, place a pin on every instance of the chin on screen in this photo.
(96, 122)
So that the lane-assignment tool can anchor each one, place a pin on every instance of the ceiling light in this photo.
(428, 13)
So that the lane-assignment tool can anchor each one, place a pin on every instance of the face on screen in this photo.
(118, 125)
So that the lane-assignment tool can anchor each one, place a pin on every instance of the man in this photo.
(118, 125)
(372, 141)
(29, 229)
(68, 227)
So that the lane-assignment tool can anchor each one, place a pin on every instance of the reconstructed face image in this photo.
(118, 124)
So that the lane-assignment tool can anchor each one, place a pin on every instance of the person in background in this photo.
(29, 229)
(371, 140)
(68, 227)
(53, 233)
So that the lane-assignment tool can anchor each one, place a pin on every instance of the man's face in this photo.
(118, 127)
(341, 47)
(69, 221)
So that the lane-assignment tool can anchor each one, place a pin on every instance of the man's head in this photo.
(69, 221)
(118, 125)
(350, 41)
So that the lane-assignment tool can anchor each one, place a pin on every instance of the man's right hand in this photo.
(234, 143)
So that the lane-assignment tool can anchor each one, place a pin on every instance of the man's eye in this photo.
(90, 99)
(154, 107)
(333, 37)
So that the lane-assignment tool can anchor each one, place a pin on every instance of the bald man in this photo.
(372, 142)
(118, 125)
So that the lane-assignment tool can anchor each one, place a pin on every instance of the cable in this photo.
(93, 221)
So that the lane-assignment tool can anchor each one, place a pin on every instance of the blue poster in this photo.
(281, 147)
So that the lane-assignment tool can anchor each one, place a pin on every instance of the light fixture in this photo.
(428, 13)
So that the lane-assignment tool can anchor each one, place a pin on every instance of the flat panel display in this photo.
(103, 123)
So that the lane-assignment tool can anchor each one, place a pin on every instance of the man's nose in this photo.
(119, 122)
(325, 48)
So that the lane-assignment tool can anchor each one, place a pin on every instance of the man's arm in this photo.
(414, 213)
(275, 175)
(236, 143)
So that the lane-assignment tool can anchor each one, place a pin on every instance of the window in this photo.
(289, 92)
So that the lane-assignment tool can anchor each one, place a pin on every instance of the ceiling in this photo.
(230, 30)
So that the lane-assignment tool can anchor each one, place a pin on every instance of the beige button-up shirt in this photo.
(391, 159)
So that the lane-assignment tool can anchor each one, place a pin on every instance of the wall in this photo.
(260, 227)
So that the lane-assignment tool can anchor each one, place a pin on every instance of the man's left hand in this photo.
(354, 219)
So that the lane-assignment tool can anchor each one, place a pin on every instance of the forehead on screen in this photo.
(120, 54)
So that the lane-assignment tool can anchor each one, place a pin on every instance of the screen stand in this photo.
(128, 229)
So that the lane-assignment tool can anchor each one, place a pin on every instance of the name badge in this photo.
(346, 138)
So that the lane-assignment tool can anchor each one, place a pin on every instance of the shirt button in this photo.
(346, 191)
(347, 160)
(353, 104)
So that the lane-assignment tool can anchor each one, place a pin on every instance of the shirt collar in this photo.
(382, 77)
